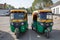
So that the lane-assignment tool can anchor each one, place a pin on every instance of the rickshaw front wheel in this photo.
(17, 33)
(33, 29)
(47, 34)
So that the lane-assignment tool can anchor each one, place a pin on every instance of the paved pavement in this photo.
(6, 34)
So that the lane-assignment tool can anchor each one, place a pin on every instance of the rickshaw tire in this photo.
(27, 28)
(47, 35)
(32, 28)
(17, 34)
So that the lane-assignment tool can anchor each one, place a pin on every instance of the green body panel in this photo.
(34, 24)
(22, 28)
(26, 24)
(12, 28)
(40, 28)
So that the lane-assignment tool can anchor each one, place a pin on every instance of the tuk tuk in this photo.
(42, 22)
(18, 21)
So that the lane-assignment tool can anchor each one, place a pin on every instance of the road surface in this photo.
(6, 34)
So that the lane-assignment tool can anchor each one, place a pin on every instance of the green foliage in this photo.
(29, 10)
(7, 6)
(21, 8)
(46, 3)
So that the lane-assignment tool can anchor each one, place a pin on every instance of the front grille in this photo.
(47, 25)
(17, 25)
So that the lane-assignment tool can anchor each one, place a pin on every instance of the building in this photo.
(56, 10)
(3, 6)
(6, 6)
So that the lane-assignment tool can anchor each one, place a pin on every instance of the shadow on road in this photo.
(5, 36)
(24, 36)
(31, 35)
(55, 34)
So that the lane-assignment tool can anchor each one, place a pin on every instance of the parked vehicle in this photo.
(18, 21)
(42, 21)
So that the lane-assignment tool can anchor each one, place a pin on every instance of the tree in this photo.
(40, 4)
(7, 6)
(48, 3)
(21, 8)
(10, 7)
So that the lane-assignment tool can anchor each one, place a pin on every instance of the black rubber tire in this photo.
(27, 28)
(32, 28)
(47, 34)
(17, 33)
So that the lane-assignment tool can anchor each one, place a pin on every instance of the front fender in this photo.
(48, 29)
(22, 29)
(12, 28)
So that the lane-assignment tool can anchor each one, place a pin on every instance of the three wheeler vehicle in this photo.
(42, 22)
(18, 21)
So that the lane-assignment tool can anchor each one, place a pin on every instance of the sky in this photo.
(20, 3)
(54, 1)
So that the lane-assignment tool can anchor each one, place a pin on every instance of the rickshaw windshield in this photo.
(45, 15)
(18, 15)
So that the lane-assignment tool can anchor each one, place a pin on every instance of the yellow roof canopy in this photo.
(38, 11)
(44, 10)
(18, 11)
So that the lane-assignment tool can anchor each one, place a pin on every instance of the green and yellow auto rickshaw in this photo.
(42, 21)
(18, 21)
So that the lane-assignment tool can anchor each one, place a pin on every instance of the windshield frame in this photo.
(41, 15)
(16, 14)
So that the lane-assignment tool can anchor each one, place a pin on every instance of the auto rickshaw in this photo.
(18, 21)
(42, 22)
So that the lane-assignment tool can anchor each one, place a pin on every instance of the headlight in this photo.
(51, 23)
(22, 23)
(42, 24)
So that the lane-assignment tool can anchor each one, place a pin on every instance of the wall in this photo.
(56, 16)
(55, 9)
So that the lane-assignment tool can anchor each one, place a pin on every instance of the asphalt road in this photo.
(6, 34)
